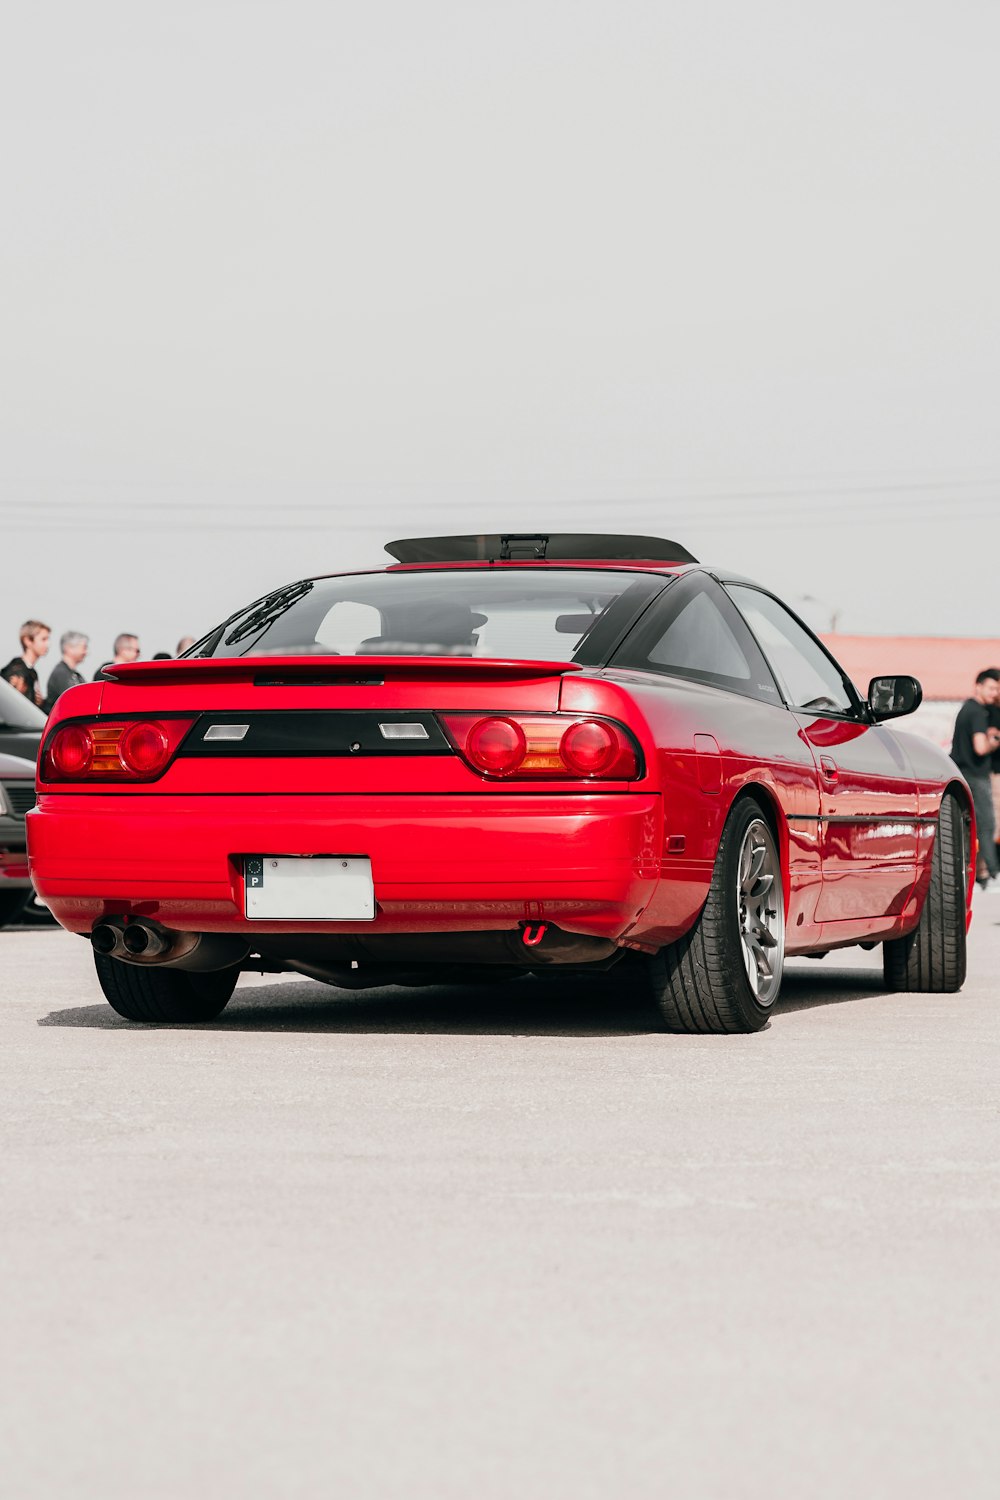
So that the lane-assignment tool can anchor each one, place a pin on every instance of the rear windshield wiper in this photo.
(268, 610)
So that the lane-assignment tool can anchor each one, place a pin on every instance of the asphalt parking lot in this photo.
(501, 1242)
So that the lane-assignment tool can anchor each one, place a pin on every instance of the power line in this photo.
(783, 486)
(748, 522)
(681, 505)
(658, 514)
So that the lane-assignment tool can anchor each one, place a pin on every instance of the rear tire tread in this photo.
(699, 982)
(163, 996)
(932, 958)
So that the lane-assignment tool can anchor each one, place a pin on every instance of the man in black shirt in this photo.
(66, 674)
(993, 709)
(20, 670)
(974, 744)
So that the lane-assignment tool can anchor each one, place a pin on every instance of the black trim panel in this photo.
(287, 733)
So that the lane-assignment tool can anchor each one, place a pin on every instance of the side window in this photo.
(808, 677)
(695, 632)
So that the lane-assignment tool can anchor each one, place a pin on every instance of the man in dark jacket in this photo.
(20, 671)
(66, 673)
(972, 750)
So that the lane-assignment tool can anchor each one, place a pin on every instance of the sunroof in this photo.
(550, 546)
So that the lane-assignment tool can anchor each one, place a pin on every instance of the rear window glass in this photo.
(557, 615)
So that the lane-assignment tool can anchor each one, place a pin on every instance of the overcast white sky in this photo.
(282, 281)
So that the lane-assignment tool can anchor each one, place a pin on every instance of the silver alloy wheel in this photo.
(761, 912)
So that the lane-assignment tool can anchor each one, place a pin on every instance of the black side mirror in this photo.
(891, 697)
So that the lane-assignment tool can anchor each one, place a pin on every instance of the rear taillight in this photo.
(552, 745)
(589, 748)
(496, 746)
(71, 750)
(112, 750)
(144, 749)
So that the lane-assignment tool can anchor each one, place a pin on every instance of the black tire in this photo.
(12, 903)
(700, 984)
(932, 958)
(34, 914)
(159, 995)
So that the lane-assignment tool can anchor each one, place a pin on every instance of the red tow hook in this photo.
(532, 936)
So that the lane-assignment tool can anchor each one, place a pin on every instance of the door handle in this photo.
(828, 770)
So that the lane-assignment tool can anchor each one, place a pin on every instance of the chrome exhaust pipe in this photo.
(141, 941)
(146, 944)
(107, 939)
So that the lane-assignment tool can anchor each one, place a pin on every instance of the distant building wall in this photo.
(946, 667)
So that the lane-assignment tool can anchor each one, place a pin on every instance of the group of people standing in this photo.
(976, 751)
(22, 671)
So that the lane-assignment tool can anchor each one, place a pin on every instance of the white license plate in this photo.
(328, 888)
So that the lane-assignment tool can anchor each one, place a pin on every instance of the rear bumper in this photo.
(587, 862)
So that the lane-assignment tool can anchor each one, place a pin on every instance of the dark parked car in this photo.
(21, 723)
(17, 794)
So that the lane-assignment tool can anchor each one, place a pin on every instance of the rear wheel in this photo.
(155, 994)
(725, 974)
(932, 957)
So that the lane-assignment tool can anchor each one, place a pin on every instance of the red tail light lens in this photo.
(516, 746)
(496, 746)
(112, 750)
(71, 750)
(144, 749)
(588, 748)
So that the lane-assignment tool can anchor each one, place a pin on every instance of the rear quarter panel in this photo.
(703, 747)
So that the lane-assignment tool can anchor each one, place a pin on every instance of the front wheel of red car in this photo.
(725, 974)
(932, 957)
(163, 996)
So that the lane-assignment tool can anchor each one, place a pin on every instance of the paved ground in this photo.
(503, 1243)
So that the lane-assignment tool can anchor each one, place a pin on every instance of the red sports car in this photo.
(503, 754)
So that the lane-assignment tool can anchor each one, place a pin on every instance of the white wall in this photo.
(935, 721)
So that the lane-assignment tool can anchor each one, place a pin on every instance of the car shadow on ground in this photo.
(804, 989)
(526, 1007)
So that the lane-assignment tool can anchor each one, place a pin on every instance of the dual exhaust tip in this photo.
(147, 943)
(137, 940)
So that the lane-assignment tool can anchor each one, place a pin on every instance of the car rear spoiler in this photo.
(305, 669)
(542, 546)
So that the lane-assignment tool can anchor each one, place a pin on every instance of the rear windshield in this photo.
(550, 615)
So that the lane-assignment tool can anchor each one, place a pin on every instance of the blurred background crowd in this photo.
(23, 671)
